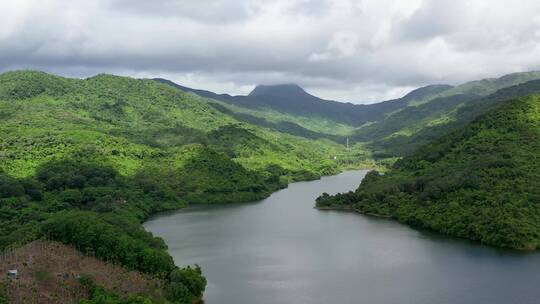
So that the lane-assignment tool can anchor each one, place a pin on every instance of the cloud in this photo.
(342, 44)
(341, 49)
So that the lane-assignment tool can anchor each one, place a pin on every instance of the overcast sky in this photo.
(360, 51)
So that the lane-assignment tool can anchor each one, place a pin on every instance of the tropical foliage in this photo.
(481, 182)
(99, 212)
(405, 131)
(130, 124)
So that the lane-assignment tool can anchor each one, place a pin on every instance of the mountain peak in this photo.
(281, 90)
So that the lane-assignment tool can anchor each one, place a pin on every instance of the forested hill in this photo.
(402, 132)
(131, 124)
(481, 182)
(391, 128)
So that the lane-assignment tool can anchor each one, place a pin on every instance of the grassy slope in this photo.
(481, 182)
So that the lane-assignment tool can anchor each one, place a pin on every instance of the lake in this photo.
(282, 250)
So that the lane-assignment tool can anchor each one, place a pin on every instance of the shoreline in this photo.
(353, 210)
(263, 195)
(524, 250)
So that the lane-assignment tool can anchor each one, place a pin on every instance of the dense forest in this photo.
(98, 211)
(481, 182)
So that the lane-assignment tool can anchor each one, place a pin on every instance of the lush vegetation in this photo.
(3, 298)
(402, 132)
(84, 162)
(129, 124)
(481, 182)
(99, 212)
(99, 295)
(184, 284)
(389, 129)
(485, 87)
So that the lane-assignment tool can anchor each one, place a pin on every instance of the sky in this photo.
(359, 51)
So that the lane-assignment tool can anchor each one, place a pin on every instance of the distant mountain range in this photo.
(84, 161)
(391, 128)
(292, 99)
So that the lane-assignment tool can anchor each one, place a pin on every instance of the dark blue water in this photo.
(281, 250)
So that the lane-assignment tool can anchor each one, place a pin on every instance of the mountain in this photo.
(281, 90)
(448, 118)
(480, 182)
(293, 100)
(425, 93)
(485, 87)
(401, 132)
(241, 108)
(131, 123)
(390, 128)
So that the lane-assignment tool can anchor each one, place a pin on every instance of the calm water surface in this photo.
(281, 250)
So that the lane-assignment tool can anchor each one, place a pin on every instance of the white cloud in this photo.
(342, 49)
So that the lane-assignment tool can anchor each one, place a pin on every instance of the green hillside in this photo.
(99, 211)
(389, 129)
(481, 182)
(485, 87)
(314, 127)
(412, 119)
(148, 133)
(131, 123)
(404, 131)
(449, 118)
